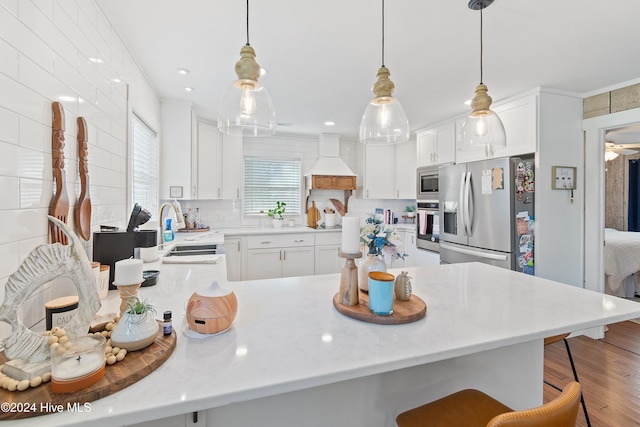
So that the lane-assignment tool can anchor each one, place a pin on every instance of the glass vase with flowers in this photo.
(383, 246)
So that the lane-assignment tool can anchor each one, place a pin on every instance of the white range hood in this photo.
(330, 172)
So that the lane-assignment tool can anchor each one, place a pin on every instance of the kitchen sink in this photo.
(189, 250)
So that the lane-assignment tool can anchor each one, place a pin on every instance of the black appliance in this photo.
(110, 246)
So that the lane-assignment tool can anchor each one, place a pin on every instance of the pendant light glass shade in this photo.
(384, 120)
(246, 108)
(482, 129)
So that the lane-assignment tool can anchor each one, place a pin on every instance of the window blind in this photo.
(144, 166)
(269, 180)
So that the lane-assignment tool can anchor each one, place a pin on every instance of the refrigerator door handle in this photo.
(468, 205)
(462, 202)
(497, 257)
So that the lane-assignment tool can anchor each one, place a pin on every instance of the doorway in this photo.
(594, 139)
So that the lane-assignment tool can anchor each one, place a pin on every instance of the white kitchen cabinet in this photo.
(327, 246)
(437, 145)
(405, 165)
(519, 117)
(232, 167)
(178, 149)
(416, 257)
(379, 172)
(209, 160)
(187, 420)
(280, 255)
(389, 171)
(233, 247)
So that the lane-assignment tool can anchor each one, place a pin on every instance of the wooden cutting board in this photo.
(313, 216)
(135, 366)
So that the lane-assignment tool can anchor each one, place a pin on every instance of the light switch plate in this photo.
(563, 177)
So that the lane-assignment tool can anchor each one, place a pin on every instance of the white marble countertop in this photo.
(287, 335)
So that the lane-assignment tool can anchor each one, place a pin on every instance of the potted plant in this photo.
(276, 213)
(410, 210)
(137, 328)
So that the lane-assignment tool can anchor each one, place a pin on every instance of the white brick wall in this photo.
(66, 51)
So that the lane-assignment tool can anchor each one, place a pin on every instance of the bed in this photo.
(621, 261)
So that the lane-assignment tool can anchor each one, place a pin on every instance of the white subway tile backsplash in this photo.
(21, 224)
(8, 60)
(10, 189)
(10, 255)
(68, 23)
(75, 79)
(9, 125)
(11, 5)
(35, 135)
(22, 38)
(47, 85)
(90, 71)
(8, 164)
(35, 193)
(34, 164)
(22, 100)
(39, 18)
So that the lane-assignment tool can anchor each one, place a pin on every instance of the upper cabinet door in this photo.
(232, 167)
(379, 172)
(209, 159)
(436, 146)
(405, 170)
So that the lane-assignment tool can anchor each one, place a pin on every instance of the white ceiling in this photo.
(322, 56)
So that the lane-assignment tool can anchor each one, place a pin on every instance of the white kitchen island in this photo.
(292, 359)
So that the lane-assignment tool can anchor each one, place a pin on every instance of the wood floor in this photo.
(609, 371)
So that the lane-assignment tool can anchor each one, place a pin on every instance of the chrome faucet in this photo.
(161, 234)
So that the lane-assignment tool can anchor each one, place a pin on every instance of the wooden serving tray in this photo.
(403, 311)
(136, 365)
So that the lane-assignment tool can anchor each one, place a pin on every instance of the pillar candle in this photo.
(128, 272)
(350, 235)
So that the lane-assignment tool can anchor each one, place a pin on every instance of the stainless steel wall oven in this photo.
(428, 225)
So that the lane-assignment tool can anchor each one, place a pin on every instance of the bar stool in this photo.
(563, 337)
(472, 408)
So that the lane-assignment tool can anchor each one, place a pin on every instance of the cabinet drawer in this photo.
(265, 241)
(328, 238)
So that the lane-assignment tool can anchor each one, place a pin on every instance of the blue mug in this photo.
(381, 286)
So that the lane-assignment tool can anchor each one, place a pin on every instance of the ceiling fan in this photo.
(612, 150)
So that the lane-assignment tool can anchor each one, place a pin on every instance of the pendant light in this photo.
(482, 128)
(384, 120)
(246, 108)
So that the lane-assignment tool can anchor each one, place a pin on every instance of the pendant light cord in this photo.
(248, 23)
(383, 33)
(480, 46)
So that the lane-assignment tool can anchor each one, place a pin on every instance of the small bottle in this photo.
(167, 328)
(167, 235)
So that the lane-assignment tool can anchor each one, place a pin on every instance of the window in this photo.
(268, 180)
(144, 169)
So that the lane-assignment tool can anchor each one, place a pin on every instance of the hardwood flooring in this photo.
(609, 371)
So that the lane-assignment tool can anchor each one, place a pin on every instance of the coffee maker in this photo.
(111, 245)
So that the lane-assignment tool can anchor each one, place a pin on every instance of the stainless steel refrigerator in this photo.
(487, 213)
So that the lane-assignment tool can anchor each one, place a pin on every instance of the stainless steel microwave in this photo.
(427, 185)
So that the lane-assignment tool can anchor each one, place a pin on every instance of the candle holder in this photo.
(128, 295)
(348, 294)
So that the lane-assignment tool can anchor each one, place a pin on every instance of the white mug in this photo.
(329, 220)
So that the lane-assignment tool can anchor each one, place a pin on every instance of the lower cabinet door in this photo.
(327, 259)
(264, 263)
(298, 261)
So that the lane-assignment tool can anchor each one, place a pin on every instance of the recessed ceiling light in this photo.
(183, 71)
(188, 89)
(329, 123)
